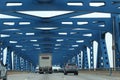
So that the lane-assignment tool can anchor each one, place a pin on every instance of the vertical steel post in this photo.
(91, 57)
(85, 59)
(9, 60)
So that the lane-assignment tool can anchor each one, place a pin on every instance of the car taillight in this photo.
(67, 66)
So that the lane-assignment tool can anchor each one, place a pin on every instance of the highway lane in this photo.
(60, 76)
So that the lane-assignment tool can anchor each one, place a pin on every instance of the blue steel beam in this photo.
(93, 23)
(116, 47)
(111, 6)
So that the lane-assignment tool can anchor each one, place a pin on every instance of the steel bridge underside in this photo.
(68, 37)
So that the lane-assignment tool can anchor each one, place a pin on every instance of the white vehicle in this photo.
(37, 69)
(56, 68)
(45, 63)
(3, 71)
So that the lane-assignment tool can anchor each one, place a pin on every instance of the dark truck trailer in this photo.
(45, 63)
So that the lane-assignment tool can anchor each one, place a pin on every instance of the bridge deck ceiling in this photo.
(30, 35)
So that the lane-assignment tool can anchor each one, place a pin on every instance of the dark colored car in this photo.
(71, 68)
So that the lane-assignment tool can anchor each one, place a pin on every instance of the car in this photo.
(71, 68)
(3, 71)
(37, 69)
(56, 68)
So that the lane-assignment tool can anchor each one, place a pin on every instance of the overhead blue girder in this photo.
(93, 23)
(111, 6)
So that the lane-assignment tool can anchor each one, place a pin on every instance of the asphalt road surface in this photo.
(60, 76)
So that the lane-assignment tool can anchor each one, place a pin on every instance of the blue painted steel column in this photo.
(32, 68)
(15, 61)
(29, 66)
(22, 64)
(18, 62)
(85, 59)
(117, 42)
(91, 57)
(9, 60)
(73, 60)
(105, 54)
(80, 60)
(99, 58)
(103, 60)
(1, 53)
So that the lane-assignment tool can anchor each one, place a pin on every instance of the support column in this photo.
(9, 60)
(18, 63)
(103, 60)
(91, 57)
(1, 54)
(117, 42)
(22, 64)
(15, 61)
(85, 59)
(80, 60)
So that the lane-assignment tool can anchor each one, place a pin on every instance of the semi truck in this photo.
(45, 63)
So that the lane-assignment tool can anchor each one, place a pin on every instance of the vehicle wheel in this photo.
(50, 72)
(76, 73)
(41, 72)
(4, 78)
(65, 73)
